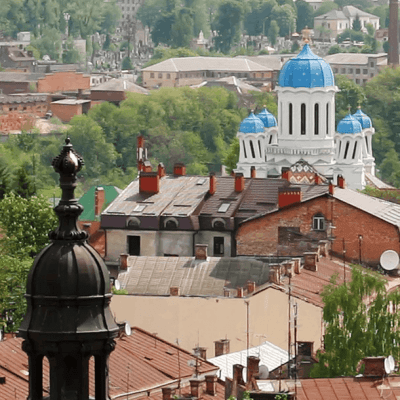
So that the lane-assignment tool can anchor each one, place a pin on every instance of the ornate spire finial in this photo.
(68, 163)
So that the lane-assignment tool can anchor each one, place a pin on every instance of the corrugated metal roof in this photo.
(385, 210)
(270, 355)
(186, 64)
(155, 275)
(138, 363)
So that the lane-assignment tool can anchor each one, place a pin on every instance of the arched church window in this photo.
(259, 147)
(366, 143)
(252, 149)
(290, 119)
(327, 118)
(244, 149)
(346, 150)
(303, 119)
(354, 150)
(316, 119)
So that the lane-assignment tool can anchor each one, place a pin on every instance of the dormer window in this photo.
(318, 222)
(171, 224)
(133, 223)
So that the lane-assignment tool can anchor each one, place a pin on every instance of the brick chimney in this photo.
(123, 262)
(323, 248)
(296, 265)
(174, 291)
(275, 274)
(161, 170)
(252, 371)
(99, 199)
(200, 251)
(374, 366)
(227, 292)
(286, 173)
(253, 172)
(201, 352)
(237, 379)
(196, 387)
(211, 385)
(213, 183)
(288, 196)
(341, 182)
(310, 261)
(251, 287)
(239, 292)
(146, 166)
(239, 182)
(331, 188)
(179, 169)
(318, 179)
(221, 347)
(149, 182)
(167, 393)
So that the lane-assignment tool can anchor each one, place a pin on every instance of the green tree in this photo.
(127, 63)
(355, 329)
(284, 15)
(182, 28)
(335, 49)
(390, 168)
(4, 179)
(326, 6)
(70, 55)
(111, 14)
(232, 156)
(305, 15)
(49, 43)
(273, 32)
(23, 183)
(162, 30)
(356, 24)
(386, 46)
(227, 25)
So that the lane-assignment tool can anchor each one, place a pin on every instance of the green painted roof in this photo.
(87, 200)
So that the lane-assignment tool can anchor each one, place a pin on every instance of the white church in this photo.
(306, 128)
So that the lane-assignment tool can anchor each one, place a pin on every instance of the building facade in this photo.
(306, 128)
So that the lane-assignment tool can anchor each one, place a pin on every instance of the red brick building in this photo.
(361, 225)
(66, 109)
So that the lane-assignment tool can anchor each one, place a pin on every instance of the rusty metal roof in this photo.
(139, 363)
(155, 275)
(178, 196)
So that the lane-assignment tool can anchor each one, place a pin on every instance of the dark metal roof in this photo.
(155, 275)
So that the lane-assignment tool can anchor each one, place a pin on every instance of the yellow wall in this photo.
(196, 320)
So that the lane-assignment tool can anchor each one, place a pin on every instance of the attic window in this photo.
(224, 207)
(139, 207)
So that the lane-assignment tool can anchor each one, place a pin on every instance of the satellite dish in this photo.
(263, 372)
(128, 330)
(387, 366)
(389, 260)
(1, 335)
(117, 284)
(391, 363)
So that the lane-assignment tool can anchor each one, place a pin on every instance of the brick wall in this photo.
(65, 112)
(106, 95)
(63, 81)
(14, 87)
(260, 236)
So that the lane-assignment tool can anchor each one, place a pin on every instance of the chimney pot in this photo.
(211, 385)
(166, 393)
(213, 184)
(196, 387)
(147, 166)
(149, 182)
(200, 251)
(341, 182)
(123, 262)
(253, 172)
(221, 347)
(239, 182)
(174, 291)
(239, 292)
(161, 170)
(99, 199)
(179, 169)
(374, 366)
(310, 261)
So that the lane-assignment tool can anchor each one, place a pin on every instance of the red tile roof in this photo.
(141, 362)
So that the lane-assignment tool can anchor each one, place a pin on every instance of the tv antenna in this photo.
(389, 260)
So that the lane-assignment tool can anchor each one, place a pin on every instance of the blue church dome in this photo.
(267, 118)
(349, 125)
(251, 124)
(363, 119)
(306, 70)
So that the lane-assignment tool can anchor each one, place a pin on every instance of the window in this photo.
(218, 246)
(252, 149)
(151, 74)
(133, 223)
(327, 118)
(358, 70)
(303, 119)
(343, 70)
(354, 150)
(219, 224)
(318, 222)
(159, 75)
(168, 76)
(134, 245)
(346, 150)
(316, 119)
(372, 64)
(171, 224)
(365, 71)
(290, 119)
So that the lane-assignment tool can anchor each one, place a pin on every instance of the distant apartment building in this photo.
(188, 71)
(359, 67)
(336, 21)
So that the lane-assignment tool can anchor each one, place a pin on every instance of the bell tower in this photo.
(68, 319)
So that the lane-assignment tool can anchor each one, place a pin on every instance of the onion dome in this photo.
(349, 125)
(251, 124)
(68, 290)
(267, 118)
(363, 119)
(306, 70)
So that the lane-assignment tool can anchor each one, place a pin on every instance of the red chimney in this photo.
(286, 173)
(251, 286)
(147, 166)
(166, 393)
(341, 182)
(253, 172)
(179, 169)
(331, 188)
(213, 184)
(288, 196)
(318, 179)
(123, 262)
(239, 182)
(211, 385)
(161, 170)
(240, 292)
(374, 366)
(149, 182)
(99, 199)
(252, 369)
(221, 347)
(200, 251)
(196, 387)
